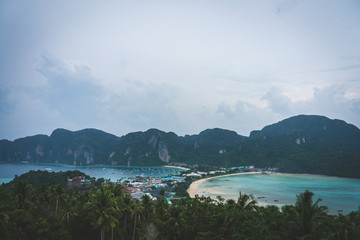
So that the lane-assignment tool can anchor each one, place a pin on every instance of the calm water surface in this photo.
(8, 171)
(336, 193)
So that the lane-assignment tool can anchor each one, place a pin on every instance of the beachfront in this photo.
(193, 189)
(282, 188)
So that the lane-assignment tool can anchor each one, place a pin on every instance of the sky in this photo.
(180, 66)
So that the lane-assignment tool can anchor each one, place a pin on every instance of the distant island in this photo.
(300, 144)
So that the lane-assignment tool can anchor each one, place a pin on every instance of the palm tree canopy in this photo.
(102, 207)
(309, 213)
(246, 202)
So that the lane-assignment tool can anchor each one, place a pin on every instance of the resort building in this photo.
(79, 182)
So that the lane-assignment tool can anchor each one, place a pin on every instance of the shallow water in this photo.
(336, 193)
(8, 171)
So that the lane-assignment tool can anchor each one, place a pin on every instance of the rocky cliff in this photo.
(311, 144)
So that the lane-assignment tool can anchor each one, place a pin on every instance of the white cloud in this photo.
(179, 66)
(334, 101)
(278, 102)
(70, 89)
(29, 116)
(141, 106)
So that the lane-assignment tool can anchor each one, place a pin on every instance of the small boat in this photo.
(130, 172)
(103, 169)
(92, 171)
(48, 169)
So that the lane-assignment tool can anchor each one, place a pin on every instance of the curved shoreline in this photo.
(193, 188)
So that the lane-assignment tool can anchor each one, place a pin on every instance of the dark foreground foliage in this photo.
(107, 212)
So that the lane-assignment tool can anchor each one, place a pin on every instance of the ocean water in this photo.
(280, 189)
(8, 171)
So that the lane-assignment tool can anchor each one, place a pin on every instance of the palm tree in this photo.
(246, 202)
(161, 207)
(220, 199)
(147, 204)
(137, 212)
(347, 227)
(59, 191)
(4, 218)
(230, 203)
(125, 207)
(67, 216)
(229, 214)
(22, 193)
(102, 209)
(174, 221)
(310, 215)
(69, 209)
(118, 190)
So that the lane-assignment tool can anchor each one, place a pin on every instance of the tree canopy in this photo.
(51, 212)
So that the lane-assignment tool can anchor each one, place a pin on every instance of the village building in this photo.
(79, 182)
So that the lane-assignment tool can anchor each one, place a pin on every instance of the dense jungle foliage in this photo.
(107, 212)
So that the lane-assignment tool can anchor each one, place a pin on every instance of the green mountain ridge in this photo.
(299, 144)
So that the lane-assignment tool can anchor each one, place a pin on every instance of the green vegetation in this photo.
(40, 178)
(182, 187)
(107, 212)
(301, 144)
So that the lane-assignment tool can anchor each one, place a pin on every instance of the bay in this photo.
(9, 170)
(280, 189)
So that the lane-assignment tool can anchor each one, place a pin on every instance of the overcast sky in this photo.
(180, 66)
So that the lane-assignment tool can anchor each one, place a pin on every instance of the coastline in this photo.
(272, 197)
(193, 188)
(93, 165)
(9, 170)
(183, 168)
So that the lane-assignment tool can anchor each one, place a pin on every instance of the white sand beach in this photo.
(193, 189)
(183, 168)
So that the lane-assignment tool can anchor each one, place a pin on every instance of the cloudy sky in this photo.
(181, 66)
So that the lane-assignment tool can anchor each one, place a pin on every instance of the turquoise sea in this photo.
(280, 189)
(8, 171)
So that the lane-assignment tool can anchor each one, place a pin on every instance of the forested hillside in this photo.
(301, 144)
